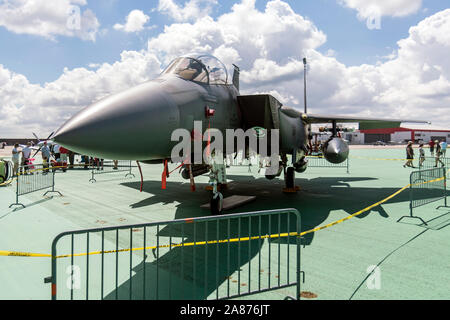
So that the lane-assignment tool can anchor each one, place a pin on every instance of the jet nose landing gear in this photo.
(289, 179)
(216, 203)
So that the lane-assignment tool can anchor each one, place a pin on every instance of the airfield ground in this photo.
(413, 259)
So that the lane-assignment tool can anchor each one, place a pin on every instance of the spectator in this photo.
(71, 155)
(56, 152)
(422, 155)
(86, 162)
(16, 159)
(45, 151)
(26, 154)
(63, 154)
(116, 163)
(443, 147)
(431, 144)
(438, 154)
(409, 155)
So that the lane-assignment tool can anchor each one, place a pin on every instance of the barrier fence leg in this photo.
(411, 208)
(445, 192)
(53, 186)
(92, 178)
(130, 173)
(17, 195)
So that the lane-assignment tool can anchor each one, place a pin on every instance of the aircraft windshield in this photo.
(204, 68)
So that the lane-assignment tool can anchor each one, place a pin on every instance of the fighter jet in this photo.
(137, 124)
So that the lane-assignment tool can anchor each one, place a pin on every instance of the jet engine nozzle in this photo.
(336, 150)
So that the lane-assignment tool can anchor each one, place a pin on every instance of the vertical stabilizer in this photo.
(236, 76)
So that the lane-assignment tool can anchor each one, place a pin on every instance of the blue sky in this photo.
(42, 60)
(400, 70)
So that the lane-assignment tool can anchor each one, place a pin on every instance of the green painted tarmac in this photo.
(413, 260)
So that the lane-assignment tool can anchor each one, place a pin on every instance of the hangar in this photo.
(398, 133)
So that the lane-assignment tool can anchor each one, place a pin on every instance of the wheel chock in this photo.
(291, 190)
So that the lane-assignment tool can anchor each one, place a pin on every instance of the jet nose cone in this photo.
(133, 125)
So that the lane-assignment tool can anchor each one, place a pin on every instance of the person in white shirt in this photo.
(16, 159)
(26, 154)
(56, 152)
(422, 155)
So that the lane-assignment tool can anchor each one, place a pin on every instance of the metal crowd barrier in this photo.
(426, 186)
(111, 166)
(197, 259)
(430, 162)
(33, 178)
(321, 162)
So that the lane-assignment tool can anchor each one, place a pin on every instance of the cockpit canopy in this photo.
(199, 68)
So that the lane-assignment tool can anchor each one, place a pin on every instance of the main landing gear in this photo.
(289, 179)
(217, 177)
(216, 203)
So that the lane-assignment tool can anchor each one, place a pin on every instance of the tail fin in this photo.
(236, 76)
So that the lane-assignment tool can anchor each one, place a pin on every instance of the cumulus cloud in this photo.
(394, 8)
(49, 18)
(135, 22)
(27, 107)
(192, 10)
(269, 46)
(244, 35)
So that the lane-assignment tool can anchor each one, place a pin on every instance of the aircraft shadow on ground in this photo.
(177, 276)
(196, 273)
(317, 198)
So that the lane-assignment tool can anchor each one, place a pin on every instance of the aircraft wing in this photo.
(315, 118)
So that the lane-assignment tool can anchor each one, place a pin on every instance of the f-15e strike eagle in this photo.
(137, 124)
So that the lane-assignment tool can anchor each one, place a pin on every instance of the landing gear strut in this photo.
(216, 203)
(217, 176)
(290, 178)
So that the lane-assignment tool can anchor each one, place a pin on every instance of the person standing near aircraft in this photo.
(26, 153)
(409, 156)
(71, 156)
(56, 151)
(45, 151)
(431, 144)
(438, 154)
(421, 155)
(16, 159)
(443, 147)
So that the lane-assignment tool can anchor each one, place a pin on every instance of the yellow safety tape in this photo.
(199, 243)
(23, 254)
(379, 159)
(389, 159)
(42, 169)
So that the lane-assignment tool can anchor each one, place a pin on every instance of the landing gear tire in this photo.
(216, 204)
(290, 178)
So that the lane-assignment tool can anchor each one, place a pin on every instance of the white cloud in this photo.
(268, 46)
(395, 8)
(192, 10)
(49, 18)
(136, 20)
(26, 107)
(245, 34)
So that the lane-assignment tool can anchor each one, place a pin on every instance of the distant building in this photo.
(393, 132)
